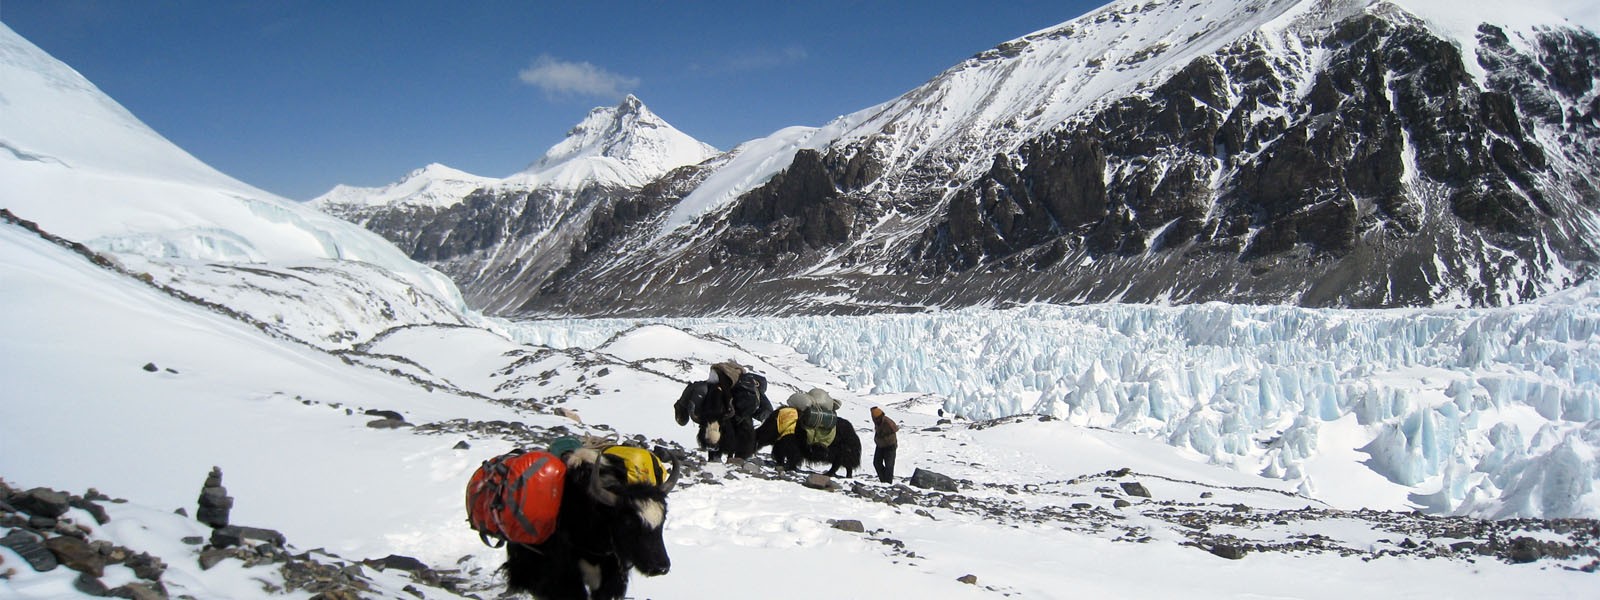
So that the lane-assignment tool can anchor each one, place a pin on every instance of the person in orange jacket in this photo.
(884, 429)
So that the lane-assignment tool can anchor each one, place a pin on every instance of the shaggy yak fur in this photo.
(790, 451)
(706, 405)
(606, 527)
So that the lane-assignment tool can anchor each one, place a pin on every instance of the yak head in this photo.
(629, 516)
(687, 407)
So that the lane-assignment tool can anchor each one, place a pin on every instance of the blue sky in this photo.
(296, 96)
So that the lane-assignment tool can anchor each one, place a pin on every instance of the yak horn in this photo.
(597, 488)
(672, 480)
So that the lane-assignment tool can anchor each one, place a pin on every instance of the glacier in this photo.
(1485, 412)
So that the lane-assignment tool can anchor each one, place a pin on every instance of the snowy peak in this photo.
(626, 144)
(621, 146)
(435, 185)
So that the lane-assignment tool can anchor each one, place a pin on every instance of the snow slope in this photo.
(82, 167)
(283, 421)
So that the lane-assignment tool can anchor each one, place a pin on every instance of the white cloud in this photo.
(766, 59)
(562, 78)
(758, 59)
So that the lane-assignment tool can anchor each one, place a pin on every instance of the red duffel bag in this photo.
(516, 497)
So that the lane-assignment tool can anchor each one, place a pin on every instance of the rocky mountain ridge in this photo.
(1316, 152)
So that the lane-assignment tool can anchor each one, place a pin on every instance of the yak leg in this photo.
(743, 436)
(529, 570)
(613, 580)
(787, 453)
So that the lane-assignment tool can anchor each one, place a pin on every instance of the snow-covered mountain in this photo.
(625, 146)
(435, 186)
(236, 334)
(500, 238)
(1363, 153)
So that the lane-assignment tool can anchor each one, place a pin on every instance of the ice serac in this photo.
(80, 166)
(501, 239)
(1490, 412)
(1357, 153)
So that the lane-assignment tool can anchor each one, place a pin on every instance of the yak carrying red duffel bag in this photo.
(516, 497)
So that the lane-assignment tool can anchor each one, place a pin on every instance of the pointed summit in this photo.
(626, 144)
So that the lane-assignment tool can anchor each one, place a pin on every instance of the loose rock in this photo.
(818, 482)
(91, 585)
(850, 525)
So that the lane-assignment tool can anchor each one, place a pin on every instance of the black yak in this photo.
(789, 451)
(725, 410)
(606, 526)
(704, 404)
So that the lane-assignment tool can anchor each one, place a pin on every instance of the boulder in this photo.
(235, 535)
(396, 561)
(76, 554)
(1228, 551)
(386, 414)
(41, 502)
(31, 549)
(925, 479)
(140, 591)
(850, 525)
(146, 567)
(211, 556)
(1525, 550)
(94, 510)
(1134, 488)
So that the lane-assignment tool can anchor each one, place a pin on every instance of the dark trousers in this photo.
(883, 463)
